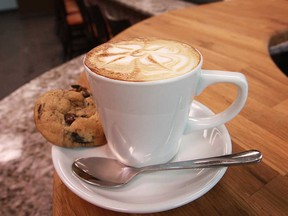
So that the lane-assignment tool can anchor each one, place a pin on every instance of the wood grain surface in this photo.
(234, 36)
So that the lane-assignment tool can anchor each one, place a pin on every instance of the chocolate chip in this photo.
(40, 108)
(77, 138)
(69, 118)
(85, 93)
(78, 88)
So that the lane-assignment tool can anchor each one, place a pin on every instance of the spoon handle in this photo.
(241, 158)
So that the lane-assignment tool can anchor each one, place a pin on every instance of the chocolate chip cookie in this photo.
(68, 118)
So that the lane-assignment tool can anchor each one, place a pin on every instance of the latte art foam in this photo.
(142, 59)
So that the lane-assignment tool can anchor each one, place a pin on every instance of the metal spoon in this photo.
(106, 172)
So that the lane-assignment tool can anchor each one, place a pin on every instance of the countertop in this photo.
(233, 36)
(26, 170)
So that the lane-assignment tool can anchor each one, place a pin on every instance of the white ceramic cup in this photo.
(145, 121)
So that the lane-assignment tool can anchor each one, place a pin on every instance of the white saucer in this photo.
(158, 191)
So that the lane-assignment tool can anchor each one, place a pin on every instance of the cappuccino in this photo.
(142, 59)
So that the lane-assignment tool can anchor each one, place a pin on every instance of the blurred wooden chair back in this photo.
(71, 28)
(95, 22)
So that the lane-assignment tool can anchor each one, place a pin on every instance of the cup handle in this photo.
(209, 77)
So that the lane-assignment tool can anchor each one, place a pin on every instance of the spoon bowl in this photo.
(107, 172)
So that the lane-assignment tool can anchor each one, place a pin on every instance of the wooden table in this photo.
(232, 35)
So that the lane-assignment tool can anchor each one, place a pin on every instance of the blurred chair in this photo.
(71, 6)
(94, 22)
(82, 26)
(63, 8)
(115, 23)
(104, 26)
(117, 26)
(71, 28)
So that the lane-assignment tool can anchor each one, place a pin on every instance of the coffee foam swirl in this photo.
(142, 59)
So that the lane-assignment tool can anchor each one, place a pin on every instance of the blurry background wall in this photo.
(8, 5)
